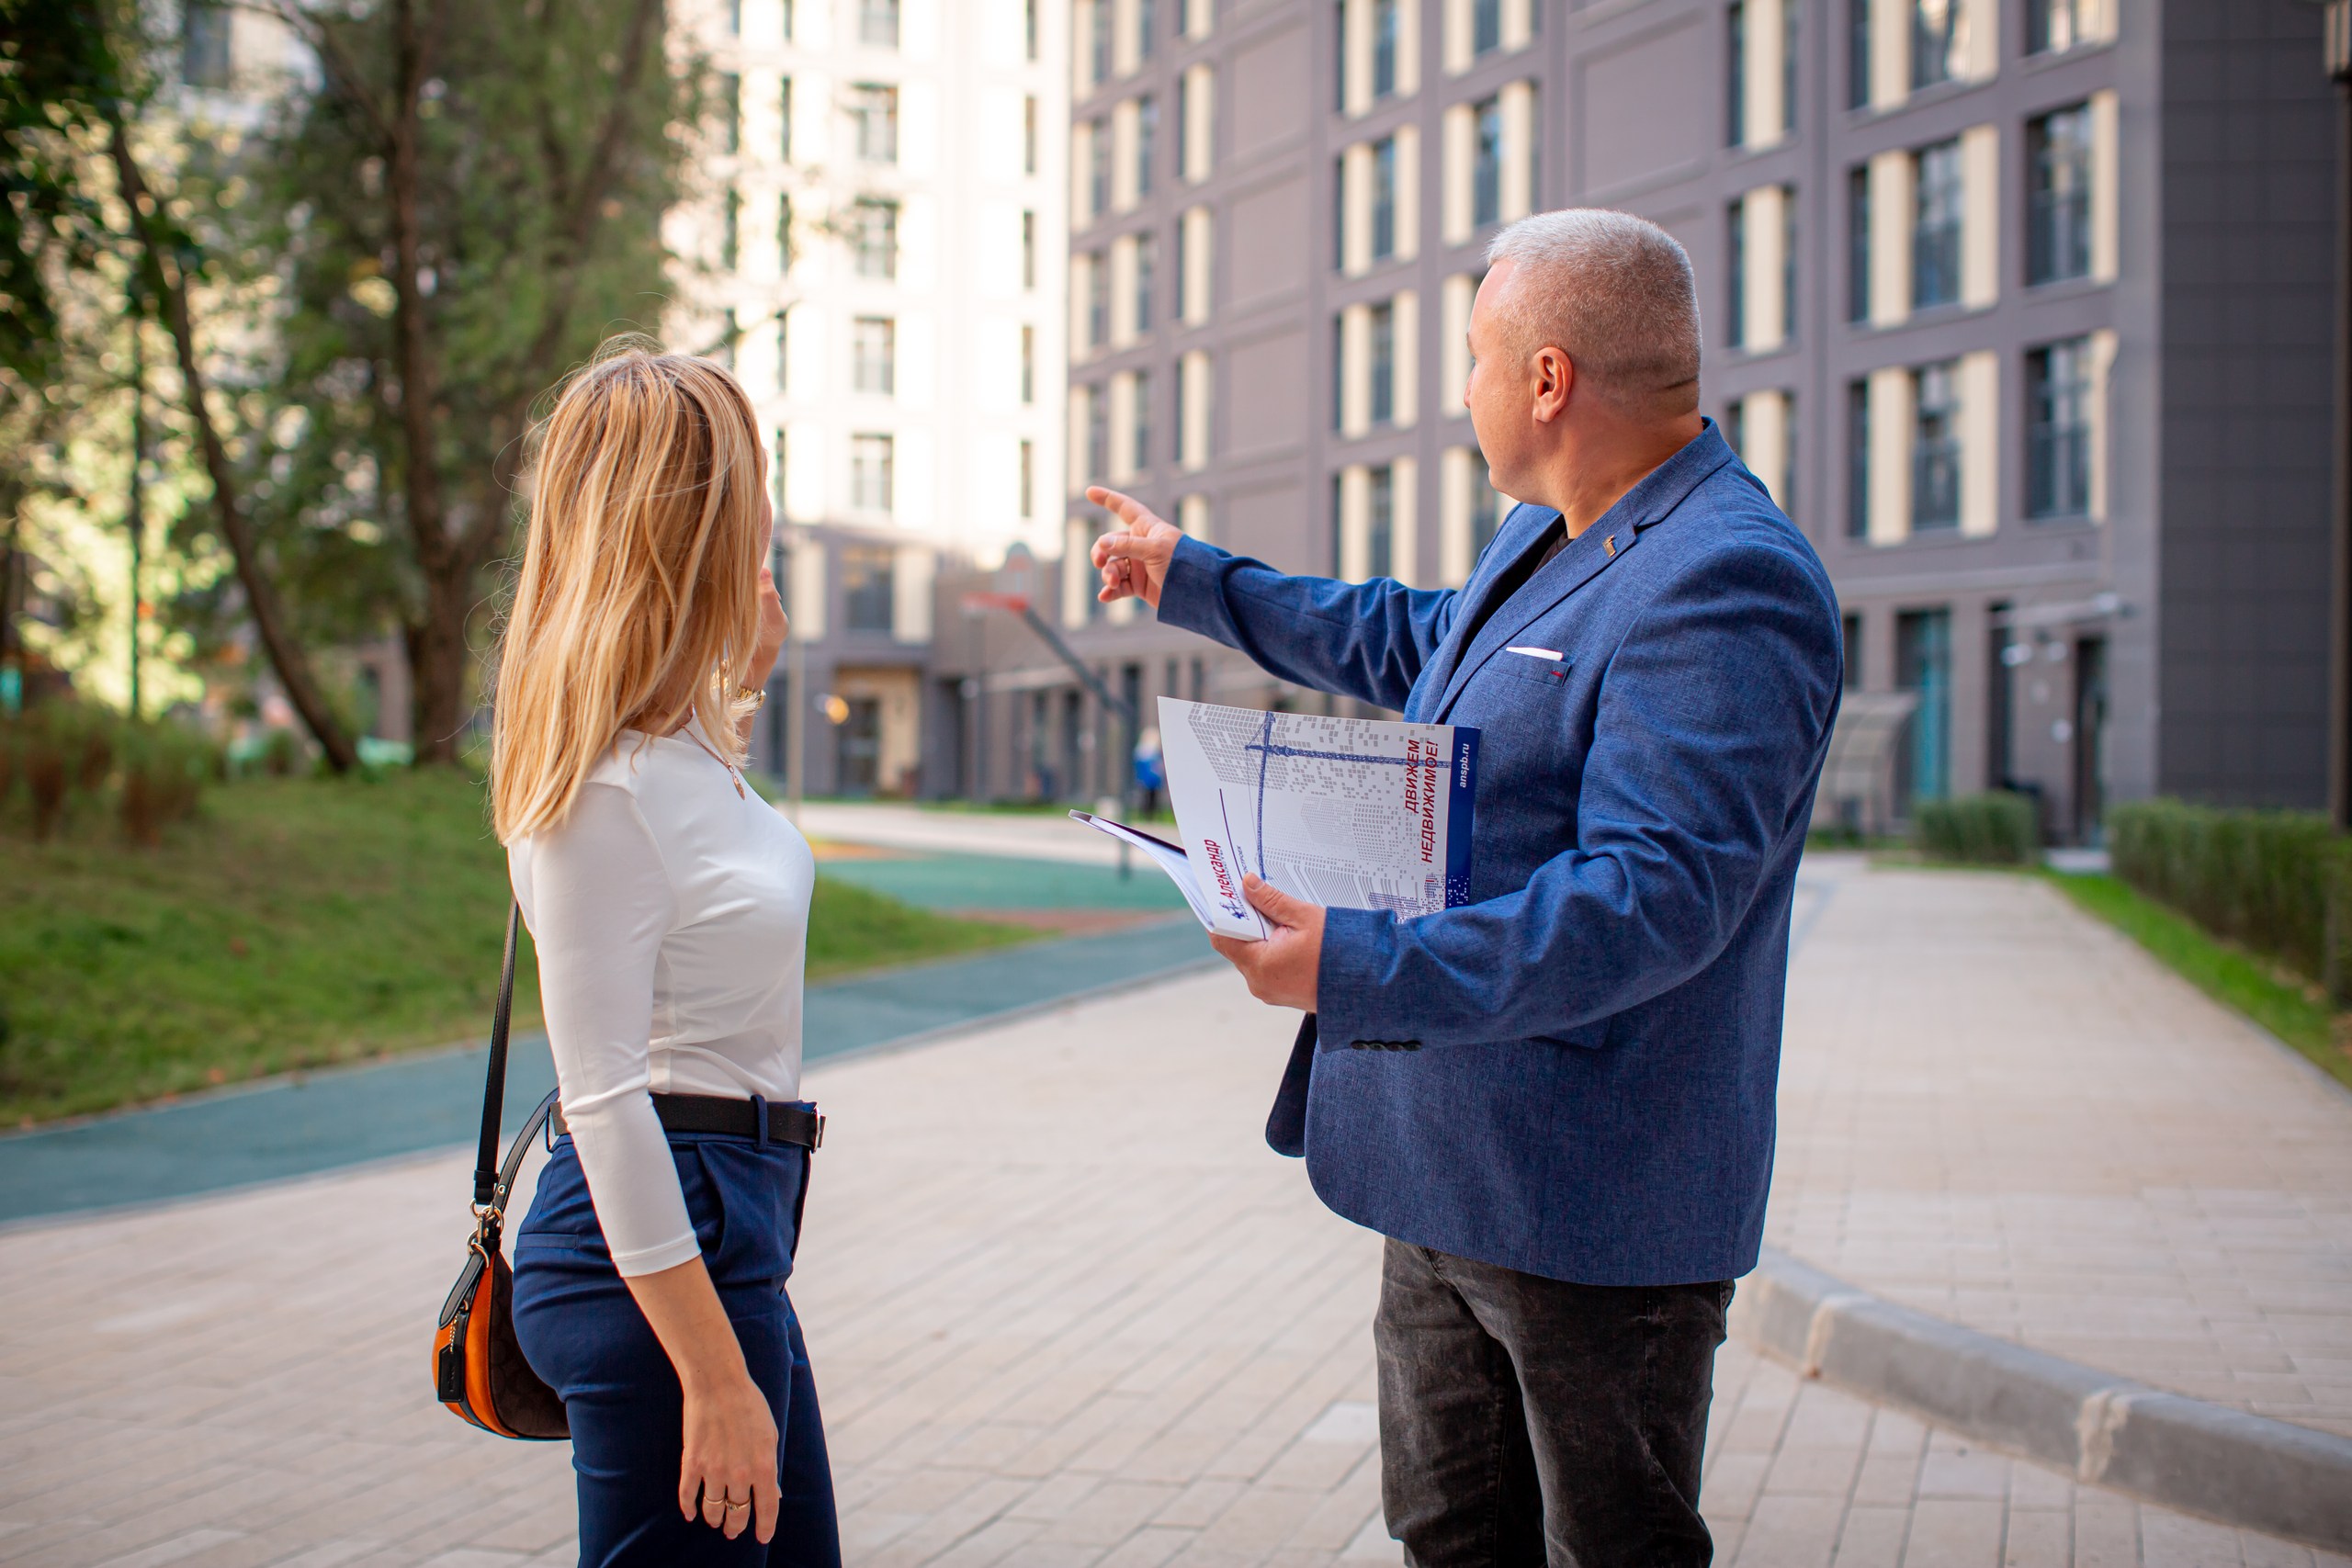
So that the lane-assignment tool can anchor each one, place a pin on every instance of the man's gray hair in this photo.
(1615, 294)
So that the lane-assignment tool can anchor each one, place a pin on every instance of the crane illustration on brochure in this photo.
(1347, 813)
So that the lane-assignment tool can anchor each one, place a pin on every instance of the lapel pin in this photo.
(1610, 543)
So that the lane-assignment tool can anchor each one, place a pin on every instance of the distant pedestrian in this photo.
(669, 907)
(1151, 773)
(1555, 1100)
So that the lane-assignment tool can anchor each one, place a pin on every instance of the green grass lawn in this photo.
(300, 922)
(2295, 1012)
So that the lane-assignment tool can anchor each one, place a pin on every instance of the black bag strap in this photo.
(493, 1094)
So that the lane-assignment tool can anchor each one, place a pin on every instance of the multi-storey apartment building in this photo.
(2017, 305)
(877, 243)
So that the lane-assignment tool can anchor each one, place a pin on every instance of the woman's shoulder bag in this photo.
(478, 1366)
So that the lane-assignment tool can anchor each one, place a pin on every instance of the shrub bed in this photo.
(1999, 829)
(2277, 881)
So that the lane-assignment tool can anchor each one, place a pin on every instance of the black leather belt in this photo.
(736, 1118)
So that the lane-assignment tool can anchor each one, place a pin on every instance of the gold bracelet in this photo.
(755, 695)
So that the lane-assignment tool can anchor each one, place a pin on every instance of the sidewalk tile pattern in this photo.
(1999, 1111)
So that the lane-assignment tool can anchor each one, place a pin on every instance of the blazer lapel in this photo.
(1567, 572)
(1521, 533)
(1619, 530)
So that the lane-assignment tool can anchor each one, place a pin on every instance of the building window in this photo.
(1338, 370)
(1028, 364)
(1146, 276)
(1099, 39)
(874, 229)
(784, 127)
(2058, 429)
(1736, 242)
(874, 109)
(1788, 265)
(1147, 143)
(1339, 56)
(1097, 301)
(1147, 28)
(1029, 134)
(783, 366)
(1487, 169)
(1380, 556)
(1028, 249)
(732, 232)
(866, 584)
(1098, 168)
(1857, 53)
(730, 112)
(1938, 209)
(1923, 664)
(1098, 435)
(1139, 435)
(1735, 82)
(1858, 244)
(1936, 41)
(1935, 447)
(1384, 199)
(2054, 24)
(785, 249)
(874, 354)
(1383, 334)
(878, 23)
(1487, 26)
(872, 472)
(2058, 196)
(1790, 11)
(1387, 27)
(1029, 30)
(1028, 478)
(728, 332)
(1858, 459)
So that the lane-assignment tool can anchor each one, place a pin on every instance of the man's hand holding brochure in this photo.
(1344, 813)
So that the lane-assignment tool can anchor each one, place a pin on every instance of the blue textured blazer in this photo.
(1572, 1075)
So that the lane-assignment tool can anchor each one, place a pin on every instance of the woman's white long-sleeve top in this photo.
(670, 917)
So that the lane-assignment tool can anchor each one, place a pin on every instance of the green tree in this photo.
(79, 219)
(467, 206)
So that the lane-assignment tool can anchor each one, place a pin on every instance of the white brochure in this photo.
(1347, 813)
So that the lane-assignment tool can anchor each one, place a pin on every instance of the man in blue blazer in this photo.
(1556, 1101)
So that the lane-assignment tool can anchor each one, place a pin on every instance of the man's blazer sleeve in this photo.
(1358, 639)
(1712, 721)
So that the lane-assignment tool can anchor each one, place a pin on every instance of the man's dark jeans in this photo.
(1525, 1421)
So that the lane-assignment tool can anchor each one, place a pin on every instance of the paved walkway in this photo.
(1998, 1110)
(1066, 1308)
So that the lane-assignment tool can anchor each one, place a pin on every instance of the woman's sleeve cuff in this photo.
(653, 1260)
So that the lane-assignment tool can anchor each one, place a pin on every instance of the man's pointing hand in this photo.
(1281, 969)
(1132, 559)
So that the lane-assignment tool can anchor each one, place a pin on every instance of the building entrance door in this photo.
(1923, 664)
(860, 760)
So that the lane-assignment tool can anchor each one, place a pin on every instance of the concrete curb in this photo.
(2247, 1471)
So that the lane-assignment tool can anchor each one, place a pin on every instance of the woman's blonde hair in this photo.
(641, 563)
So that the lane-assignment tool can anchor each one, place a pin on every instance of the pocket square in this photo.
(1551, 653)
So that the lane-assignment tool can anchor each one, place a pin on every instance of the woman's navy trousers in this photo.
(583, 1331)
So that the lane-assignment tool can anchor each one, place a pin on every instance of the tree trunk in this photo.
(438, 664)
(262, 603)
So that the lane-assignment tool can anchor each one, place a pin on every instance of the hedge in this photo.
(2001, 829)
(2264, 879)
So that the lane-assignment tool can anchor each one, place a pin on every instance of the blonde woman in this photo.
(670, 908)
